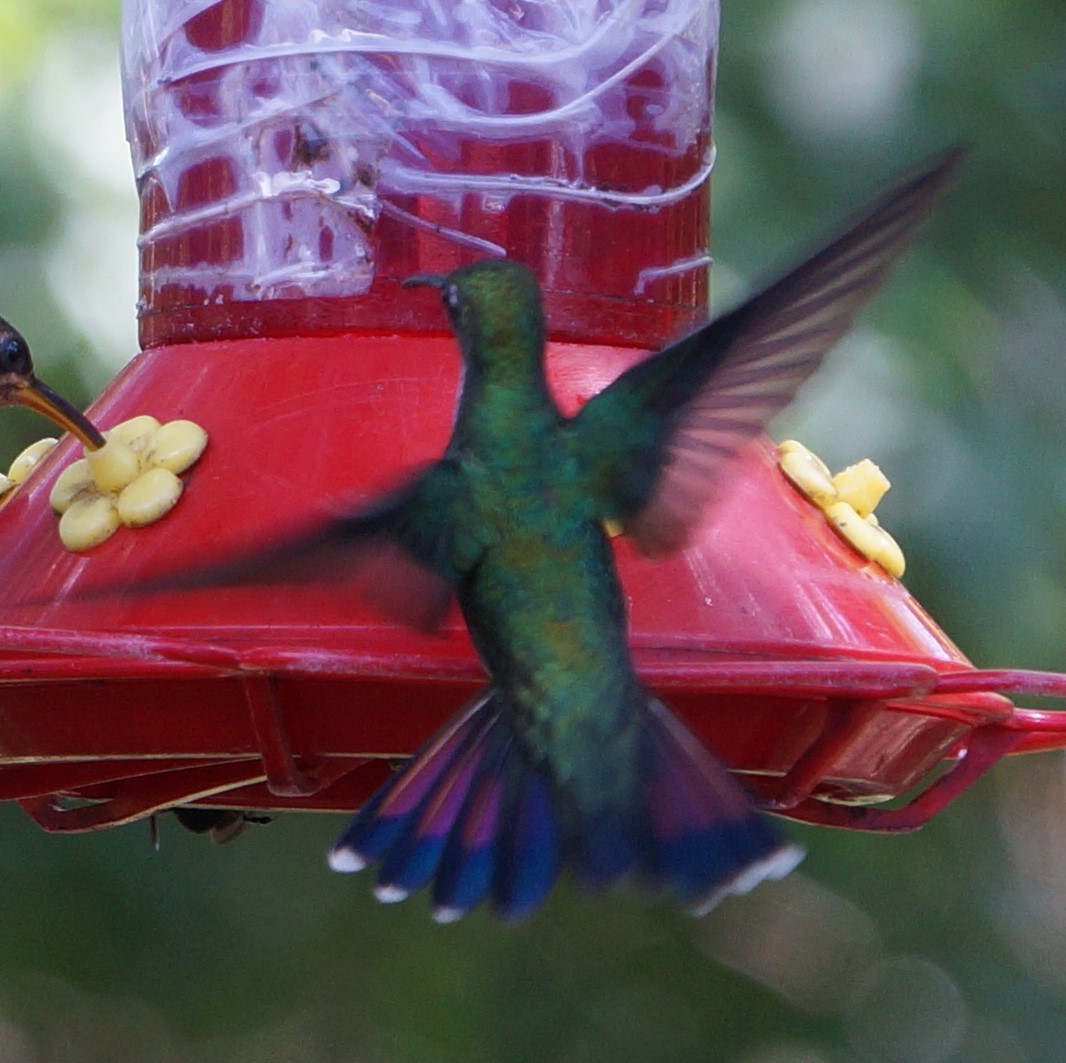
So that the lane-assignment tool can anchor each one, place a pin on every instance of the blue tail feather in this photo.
(474, 815)
(707, 838)
(368, 833)
(384, 820)
(609, 847)
(413, 857)
(527, 848)
(466, 868)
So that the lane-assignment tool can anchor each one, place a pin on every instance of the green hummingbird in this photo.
(566, 759)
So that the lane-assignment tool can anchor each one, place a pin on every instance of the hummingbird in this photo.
(19, 386)
(566, 760)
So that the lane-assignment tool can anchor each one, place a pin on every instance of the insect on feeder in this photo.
(292, 174)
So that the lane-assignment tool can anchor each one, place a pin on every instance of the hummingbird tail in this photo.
(705, 837)
(471, 814)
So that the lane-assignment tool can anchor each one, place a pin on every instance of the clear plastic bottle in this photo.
(297, 159)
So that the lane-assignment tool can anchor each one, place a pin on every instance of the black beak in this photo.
(31, 392)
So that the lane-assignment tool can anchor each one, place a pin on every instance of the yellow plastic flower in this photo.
(848, 500)
(132, 479)
(24, 464)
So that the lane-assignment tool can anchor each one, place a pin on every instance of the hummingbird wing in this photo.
(401, 553)
(655, 442)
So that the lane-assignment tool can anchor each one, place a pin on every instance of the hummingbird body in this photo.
(546, 612)
(566, 759)
(542, 602)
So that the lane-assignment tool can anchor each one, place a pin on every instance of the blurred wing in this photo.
(657, 439)
(401, 553)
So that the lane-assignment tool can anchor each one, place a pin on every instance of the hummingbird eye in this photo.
(451, 298)
(15, 355)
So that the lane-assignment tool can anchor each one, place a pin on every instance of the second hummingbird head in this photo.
(15, 357)
(496, 310)
(20, 387)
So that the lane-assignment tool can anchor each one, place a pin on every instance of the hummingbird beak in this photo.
(425, 280)
(19, 390)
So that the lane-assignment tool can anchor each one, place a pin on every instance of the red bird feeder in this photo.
(291, 175)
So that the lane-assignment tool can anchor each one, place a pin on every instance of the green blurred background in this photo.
(949, 945)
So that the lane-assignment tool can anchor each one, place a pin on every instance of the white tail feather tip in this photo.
(778, 864)
(446, 915)
(346, 860)
(388, 894)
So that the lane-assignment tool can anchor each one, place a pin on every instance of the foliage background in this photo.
(945, 947)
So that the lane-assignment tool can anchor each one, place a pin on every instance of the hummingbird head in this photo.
(496, 310)
(20, 387)
(15, 360)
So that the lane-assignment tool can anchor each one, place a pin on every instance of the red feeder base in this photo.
(808, 669)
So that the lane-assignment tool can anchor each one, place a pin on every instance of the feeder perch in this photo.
(292, 174)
